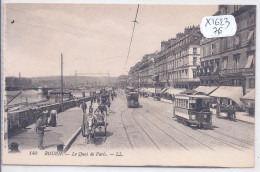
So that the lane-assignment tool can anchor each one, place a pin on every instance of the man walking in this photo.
(40, 126)
(84, 106)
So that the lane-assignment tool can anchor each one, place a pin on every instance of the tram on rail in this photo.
(132, 100)
(193, 110)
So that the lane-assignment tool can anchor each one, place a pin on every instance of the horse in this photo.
(227, 109)
(89, 127)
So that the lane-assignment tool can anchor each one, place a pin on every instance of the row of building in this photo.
(190, 59)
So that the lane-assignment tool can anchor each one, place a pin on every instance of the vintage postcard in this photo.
(128, 84)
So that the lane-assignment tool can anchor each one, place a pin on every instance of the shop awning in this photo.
(188, 92)
(173, 91)
(164, 90)
(249, 96)
(206, 89)
(249, 61)
(230, 92)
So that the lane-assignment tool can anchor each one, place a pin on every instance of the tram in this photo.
(193, 110)
(132, 100)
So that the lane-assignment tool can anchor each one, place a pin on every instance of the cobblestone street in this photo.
(152, 126)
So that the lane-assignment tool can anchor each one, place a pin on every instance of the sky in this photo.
(92, 38)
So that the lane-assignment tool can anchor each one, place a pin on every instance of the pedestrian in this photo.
(112, 97)
(108, 104)
(46, 116)
(91, 100)
(39, 127)
(231, 112)
(84, 106)
(14, 148)
(53, 118)
(98, 100)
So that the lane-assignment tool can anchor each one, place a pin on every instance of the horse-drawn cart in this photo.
(225, 111)
(94, 121)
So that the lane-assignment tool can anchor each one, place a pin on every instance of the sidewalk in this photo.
(243, 116)
(240, 116)
(68, 126)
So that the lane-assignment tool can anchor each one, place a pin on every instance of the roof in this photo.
(206, 89)
(231, 92)
(174, 91)
(250, 95)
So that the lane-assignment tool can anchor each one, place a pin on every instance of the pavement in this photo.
(68, 127)
(241, 116)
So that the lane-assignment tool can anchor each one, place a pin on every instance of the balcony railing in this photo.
(186, 80)
(208, 71)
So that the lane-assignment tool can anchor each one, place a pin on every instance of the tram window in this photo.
(206, 104)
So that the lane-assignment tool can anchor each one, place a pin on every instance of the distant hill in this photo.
(54, 81)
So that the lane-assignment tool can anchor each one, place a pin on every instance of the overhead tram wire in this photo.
(44, 27)
(41, 17)
(132, 36)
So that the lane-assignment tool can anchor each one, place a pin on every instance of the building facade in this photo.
(230, 61)
(176, 65)
(141, 75)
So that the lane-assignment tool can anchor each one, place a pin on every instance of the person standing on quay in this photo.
(53, 118)
(40, 126)
(84, 106)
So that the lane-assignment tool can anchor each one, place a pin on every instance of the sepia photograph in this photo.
(128, 84)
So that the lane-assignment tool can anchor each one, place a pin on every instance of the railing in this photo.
(186, 80)
(206, 71)
(231, 71)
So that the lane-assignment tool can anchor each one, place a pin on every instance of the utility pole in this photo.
(61, 81)
(108, 78)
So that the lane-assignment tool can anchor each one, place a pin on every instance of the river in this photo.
(29, 96)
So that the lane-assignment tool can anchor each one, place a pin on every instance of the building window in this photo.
(236, 7)
(212, 48)
(252, 83)
(186, 71)
(194, 61)
(237, 40)
(225, 62)
(194, 50)
(224, 10)
(236, 61)
(224, 43)
(195, 75)
(250, 36)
